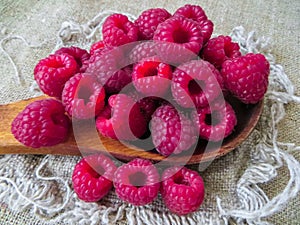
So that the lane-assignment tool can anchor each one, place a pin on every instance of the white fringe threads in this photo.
(62, 205)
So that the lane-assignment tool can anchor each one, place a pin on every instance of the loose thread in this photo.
(19, 79)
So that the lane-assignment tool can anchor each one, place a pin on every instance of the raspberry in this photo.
(197, 14)
(92, 177)
(41, 123)
(121, 119)
(182, 39)
(142, 51)
(118, 80)
(83, 97)
(97, 46)
(246, 77)
(147, 105)
(80, 55)
(182, 190)
(215, 122)
(137, 182)
(148, 21)
(118, 30)
(219, 49)
(196, 83)
(151, 77)
(52, 73)
(107, 65)
(172, 132)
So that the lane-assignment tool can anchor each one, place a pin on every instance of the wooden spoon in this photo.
(247, 115)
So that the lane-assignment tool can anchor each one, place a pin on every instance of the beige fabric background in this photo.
(40, 20)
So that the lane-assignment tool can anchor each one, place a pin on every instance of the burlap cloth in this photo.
(44, 181)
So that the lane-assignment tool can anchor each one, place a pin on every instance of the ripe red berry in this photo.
(121, 119)
(197, 14)
(80, 56)
(92, 177)
(137, 182)
(83, 97)
(152, 77)
(148, 21)
(41, 123)
(172, 131)
(118, 30)
(196, 84)
(219, 49)
(178, 40)
(147, 105)
(182, 190)
(108, 66)
(215, 122)
(246, 77)
(52, 73)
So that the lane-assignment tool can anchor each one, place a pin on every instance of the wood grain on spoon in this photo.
(248, 117)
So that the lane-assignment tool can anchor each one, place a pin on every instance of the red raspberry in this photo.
(246, 77)
(219, 49)
(142, 51)
(52, 73)
(152, 77)
(107, 65)
(92, 177)
(118, 80)
(147, 105)
(121, 119)
(83, 97)
(137, 182)
(196, 83)
(172, 132)
(41, 123)
(80, 55)
(179, 39)
(215, 122)
(118, 30)
(197, 14)
(182, 190)
(97, 46)
(148, 21)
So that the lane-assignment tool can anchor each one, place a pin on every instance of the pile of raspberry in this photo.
(162, 78)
